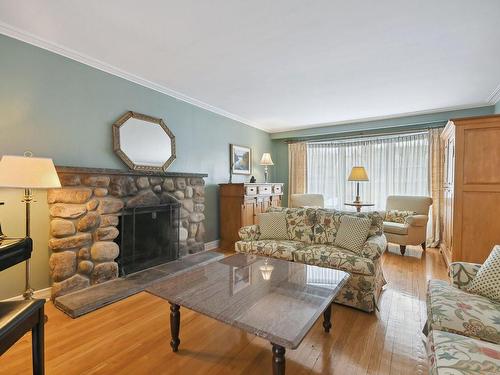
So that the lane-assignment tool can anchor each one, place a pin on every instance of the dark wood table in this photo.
(274, 299)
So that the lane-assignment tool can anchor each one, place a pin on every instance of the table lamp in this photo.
(26, 172)
(266, 161)
(358, 174)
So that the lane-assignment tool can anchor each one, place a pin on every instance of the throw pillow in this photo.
(272, 226)
(352, 233)
(487, 279)
(397, 216)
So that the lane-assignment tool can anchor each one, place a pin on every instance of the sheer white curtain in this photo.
(395, 165)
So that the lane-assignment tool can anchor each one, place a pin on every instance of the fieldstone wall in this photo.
(84, 219)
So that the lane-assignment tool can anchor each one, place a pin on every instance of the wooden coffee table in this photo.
(274, 299)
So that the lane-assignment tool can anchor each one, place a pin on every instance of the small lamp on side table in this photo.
(26, 172)
(358, 174)
(266, 161)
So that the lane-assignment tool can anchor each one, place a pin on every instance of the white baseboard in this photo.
(38, 294)
(212, 245)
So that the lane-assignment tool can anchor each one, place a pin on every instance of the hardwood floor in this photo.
(132, 336)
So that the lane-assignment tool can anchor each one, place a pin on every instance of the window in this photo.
(394, 164)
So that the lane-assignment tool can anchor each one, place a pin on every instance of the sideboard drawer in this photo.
(264, 189)
(277, 189)
(251, 190)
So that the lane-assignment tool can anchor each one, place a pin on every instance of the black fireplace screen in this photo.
(149, 236)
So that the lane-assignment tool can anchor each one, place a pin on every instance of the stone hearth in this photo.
(84, 219)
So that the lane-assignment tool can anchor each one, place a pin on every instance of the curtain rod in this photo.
(393, 130)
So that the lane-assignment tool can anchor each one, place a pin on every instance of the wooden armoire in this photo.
(241, 203)
(471, 188)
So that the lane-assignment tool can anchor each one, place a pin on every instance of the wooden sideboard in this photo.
(471, 188)
(241, 203)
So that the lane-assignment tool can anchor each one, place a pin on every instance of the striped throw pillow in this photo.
(352, 233)
(487, 279)
(272, 226)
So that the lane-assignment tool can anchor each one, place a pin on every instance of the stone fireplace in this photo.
(86, 218)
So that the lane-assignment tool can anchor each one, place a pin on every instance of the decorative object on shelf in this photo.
(241, 159)
(358, 174)
(253, 180)
(28, 173)
(2, 236)
(266, 161)
(143, 142)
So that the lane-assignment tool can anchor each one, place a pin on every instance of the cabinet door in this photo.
(248, 212)
(448, 220)
(266, 203)
(276, 201)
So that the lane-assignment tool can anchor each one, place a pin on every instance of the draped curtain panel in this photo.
(297, 169)
(395, 165)
(436, 165)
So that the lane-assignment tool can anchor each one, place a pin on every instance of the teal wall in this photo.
(59, 108)
(280, 147)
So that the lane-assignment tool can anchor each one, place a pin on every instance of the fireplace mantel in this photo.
(120, 172)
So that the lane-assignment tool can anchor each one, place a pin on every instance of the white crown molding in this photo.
(32, 39)
(378, 118)
(494, 98)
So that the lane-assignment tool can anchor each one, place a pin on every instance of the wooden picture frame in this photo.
(241, 159)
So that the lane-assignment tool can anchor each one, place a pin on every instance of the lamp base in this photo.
(28, 293)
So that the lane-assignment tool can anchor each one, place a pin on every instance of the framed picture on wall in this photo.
(241, 159)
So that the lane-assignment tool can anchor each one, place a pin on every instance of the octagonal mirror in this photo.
(143, 142)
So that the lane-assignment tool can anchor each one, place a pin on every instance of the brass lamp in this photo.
(26, 172)
(266, 161)
(358, 174)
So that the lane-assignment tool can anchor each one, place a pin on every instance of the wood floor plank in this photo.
(132, 336)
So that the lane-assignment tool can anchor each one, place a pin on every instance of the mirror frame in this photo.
(117, 147)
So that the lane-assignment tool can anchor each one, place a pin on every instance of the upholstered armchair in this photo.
(413, 229)
(307, 200)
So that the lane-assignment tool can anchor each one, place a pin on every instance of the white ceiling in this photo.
(282, 64)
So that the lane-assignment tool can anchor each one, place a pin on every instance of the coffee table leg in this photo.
(327, 316)
(175, 324)
(278, 359)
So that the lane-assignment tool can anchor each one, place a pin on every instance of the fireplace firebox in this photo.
(149, 236)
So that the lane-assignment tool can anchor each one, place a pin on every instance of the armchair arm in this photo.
(462, 273)
(417, 220)
(374, 247)
(249, 233)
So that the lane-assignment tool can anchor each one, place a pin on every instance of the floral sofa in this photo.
(463, 328)
(311, 234)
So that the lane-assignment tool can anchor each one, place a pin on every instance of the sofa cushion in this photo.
(327, 225)
(272, 226)
(334, 257)
(352, 233)
(452, 354)
(398, 216)
(300, 222)
(487, 279)
(395, 228)
(281, 249)
(454, 310)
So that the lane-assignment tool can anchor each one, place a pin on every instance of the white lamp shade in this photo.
(266, 159)
(358, 174)
(28, 173)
